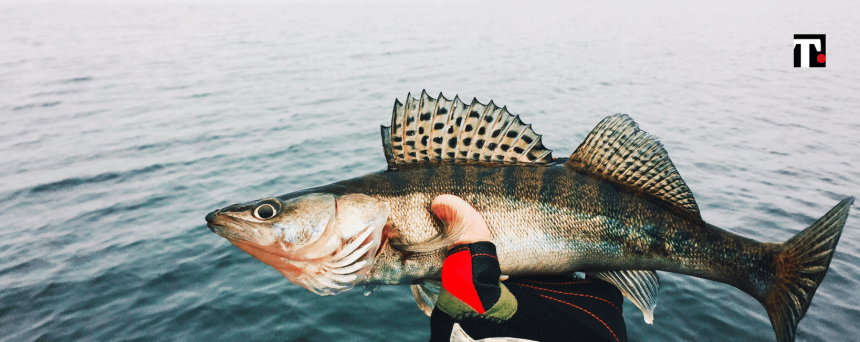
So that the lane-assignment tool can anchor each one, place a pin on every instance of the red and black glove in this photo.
(471, 274)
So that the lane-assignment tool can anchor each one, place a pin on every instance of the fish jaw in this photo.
(320, 241)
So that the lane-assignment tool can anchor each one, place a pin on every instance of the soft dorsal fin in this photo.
(428, 130)
(618, 151)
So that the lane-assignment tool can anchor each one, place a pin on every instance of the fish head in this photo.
(324, 242)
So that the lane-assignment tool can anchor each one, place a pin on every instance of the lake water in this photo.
(121, 126)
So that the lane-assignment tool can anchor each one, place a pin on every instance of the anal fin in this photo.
(640, 287)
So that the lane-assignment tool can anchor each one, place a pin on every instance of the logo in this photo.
(809, 51)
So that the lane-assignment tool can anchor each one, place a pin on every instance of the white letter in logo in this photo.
(804, 49)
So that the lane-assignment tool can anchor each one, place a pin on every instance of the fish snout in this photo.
(210, 217)
(210, 220)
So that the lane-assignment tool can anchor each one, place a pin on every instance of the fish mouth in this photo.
(224, 232)
(215, 223)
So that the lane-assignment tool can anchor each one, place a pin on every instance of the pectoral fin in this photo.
(640, 287)
(448, 236)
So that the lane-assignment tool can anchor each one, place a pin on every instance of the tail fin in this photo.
(800, 268)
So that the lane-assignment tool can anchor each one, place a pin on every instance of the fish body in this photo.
(552, 220)
(617, 208)
(558, 220)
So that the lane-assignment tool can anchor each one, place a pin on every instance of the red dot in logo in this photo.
(821, 58)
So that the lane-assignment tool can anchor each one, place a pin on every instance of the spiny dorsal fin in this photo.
(640, 287)
(618, 151)
(428, 130)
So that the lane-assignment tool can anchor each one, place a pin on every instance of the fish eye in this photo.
(265, 211)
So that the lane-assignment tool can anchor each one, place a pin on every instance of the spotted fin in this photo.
(428, 130)
(426, 295)
(618, 151)
(640, 287)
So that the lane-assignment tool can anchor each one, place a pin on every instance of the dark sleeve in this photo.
(536, 308)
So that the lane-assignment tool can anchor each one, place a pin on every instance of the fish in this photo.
(616, 209)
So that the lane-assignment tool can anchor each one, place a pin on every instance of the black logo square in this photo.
(810, 51)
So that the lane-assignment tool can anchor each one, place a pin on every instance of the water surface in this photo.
(121, 126)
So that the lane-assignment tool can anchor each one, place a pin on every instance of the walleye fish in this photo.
(616, 208)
